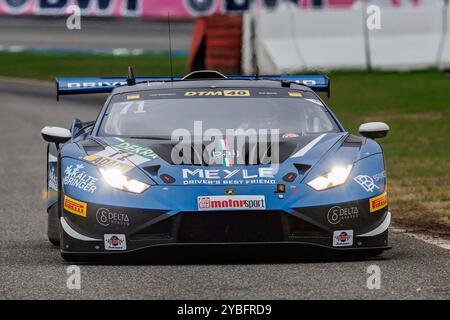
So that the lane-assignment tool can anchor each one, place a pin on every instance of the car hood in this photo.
(297, 157)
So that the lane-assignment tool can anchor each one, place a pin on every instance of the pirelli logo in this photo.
(220, 93)
(378, 202)
(74, 206)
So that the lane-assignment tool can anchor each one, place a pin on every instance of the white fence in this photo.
(288, 39)
(444, 55)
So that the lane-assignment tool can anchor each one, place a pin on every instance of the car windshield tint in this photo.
(161, 113)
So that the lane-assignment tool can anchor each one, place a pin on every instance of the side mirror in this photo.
(56, 134)
(374, 130)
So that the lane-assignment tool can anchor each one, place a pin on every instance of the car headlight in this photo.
(117, 180)
(334, 178)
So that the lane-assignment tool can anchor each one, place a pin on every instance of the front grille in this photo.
(230, 226)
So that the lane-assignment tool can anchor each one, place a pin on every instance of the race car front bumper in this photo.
(251, 232)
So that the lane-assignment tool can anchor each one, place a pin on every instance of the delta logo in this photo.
(206, 203)
(74, 206)
(378, 202)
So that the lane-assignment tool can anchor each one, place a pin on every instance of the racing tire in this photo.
(53, 224)
(53, 228)
(54, 242)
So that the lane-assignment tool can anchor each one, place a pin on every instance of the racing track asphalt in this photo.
(30, 268)
(51, 32)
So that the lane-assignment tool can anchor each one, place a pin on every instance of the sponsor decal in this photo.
(236, 93)
(116, 155)
(106, 218)
(224, 176)
(338, 214)
(378, 202)
(108, 163)
(315, 101)
(137, 149)
(52, 178)
(206, 203)
(342, 238)
(265, 93)
(294, 94)
(75, 176)
(224, 155)
(381, 175)
(115, 242)
(366, 182)
(224, 93)
(133, 96)
(74, 206)
(289, 135)
(230, 192)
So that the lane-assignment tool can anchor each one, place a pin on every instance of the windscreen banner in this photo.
(176, 8)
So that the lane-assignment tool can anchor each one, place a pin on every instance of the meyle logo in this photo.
(206, 203)
(228, 174)
(230, 177)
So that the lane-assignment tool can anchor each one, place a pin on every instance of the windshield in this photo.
(161, 112)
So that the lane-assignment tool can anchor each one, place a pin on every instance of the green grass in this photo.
(416, 105)
(47, 66)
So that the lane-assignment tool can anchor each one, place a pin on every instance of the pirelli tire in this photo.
(53, 224)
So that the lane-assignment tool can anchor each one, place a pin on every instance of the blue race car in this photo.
(213, 161)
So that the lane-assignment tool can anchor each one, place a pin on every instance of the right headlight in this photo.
(119, 181)
(336, 177)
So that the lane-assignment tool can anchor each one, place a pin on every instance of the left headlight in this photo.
(119, 181)
(336, 177)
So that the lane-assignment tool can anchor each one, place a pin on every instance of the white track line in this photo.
(442, 243)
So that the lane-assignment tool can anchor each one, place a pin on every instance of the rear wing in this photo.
(69, 86)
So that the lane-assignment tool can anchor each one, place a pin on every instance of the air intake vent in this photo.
(353, 141)
(301, 168)
(90, 145)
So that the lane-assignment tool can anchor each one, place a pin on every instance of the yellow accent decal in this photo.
(133, 96)
(74, 206)
(378, 202)
(236, 93)
(107, 163)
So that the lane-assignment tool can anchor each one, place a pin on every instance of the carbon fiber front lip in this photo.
(169, 248)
